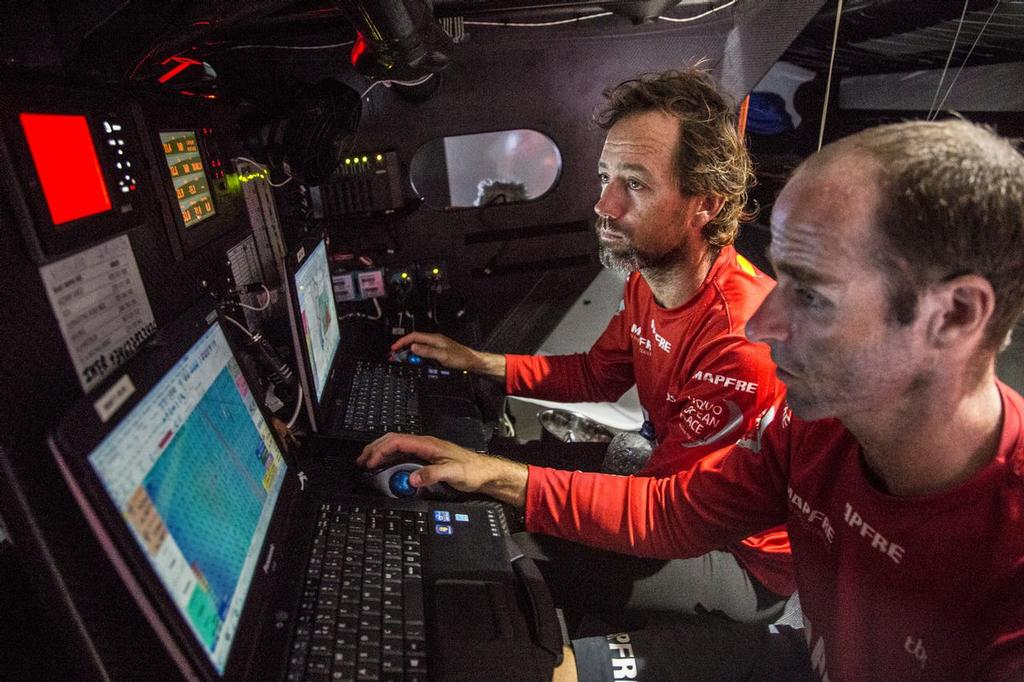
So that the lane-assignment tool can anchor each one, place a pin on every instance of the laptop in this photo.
(246, 569)
(359, 399)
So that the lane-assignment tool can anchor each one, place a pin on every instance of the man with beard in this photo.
(673, 174)
(896, 458)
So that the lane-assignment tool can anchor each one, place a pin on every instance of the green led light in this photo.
(348, 162)
(364, 159)
(405, 275)
(436, 271)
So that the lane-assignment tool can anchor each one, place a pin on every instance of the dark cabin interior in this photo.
(285, 92)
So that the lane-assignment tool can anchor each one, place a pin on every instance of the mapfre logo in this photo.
(623, 658)
(816, 520)
(642, 341)
(725, 381)
(662, 342)
(645, 343)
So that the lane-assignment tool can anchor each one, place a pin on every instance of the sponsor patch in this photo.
(704, 421)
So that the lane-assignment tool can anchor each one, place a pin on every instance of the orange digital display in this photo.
(67, 165)
(185, 164)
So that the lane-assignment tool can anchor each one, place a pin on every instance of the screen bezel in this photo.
(82, 430)
(51, 144)
(45, 240)
(293, 261)
(325, 372)
(190, 239)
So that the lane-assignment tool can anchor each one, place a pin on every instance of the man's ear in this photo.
(707, 208)
(960, 310)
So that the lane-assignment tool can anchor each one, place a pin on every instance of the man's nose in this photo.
(769, 322)
(608, 205)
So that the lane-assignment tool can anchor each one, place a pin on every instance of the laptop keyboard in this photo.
(361, 613)
(383, 398)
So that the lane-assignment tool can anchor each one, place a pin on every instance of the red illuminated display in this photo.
(66, 163)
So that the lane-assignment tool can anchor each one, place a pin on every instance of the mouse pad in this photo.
(472, 610)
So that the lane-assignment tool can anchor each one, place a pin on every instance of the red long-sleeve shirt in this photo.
(700, 381)
(926, 587)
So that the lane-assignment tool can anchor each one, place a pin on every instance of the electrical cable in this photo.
(949, 58)
(298, 409)
(264, 167)
(261, 307)
(380, 313)
(402, 314)
(684, 20)
(828, 81)
(389, 83)
(432, 305)
(560, 22)
(252, 161)
(241, 326)
(288, 47)
(942, 103)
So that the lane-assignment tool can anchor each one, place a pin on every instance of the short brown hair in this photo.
(711, 158)
(952, 203)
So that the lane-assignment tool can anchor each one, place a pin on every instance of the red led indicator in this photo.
(66, 163)
(358, 48)
(181, 63)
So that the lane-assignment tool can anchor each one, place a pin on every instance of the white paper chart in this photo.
(100, 303)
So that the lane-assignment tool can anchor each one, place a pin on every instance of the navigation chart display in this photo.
(319, 321)
(195, 473)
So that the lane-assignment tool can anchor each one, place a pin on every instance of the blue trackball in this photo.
(400, 486)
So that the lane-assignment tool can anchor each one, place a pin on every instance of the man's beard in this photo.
(628, 258)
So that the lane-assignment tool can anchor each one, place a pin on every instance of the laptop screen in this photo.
(319, 322)
(195, 472)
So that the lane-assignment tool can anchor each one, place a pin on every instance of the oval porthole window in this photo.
(485, 169)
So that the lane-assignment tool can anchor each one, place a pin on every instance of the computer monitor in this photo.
(78, 172)
(195, 473)
(187, 169)
(67, 164)
(319, 319)
(190, 149)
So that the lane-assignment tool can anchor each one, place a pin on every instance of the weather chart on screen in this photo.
(191, 187)
(195, 473)
(319, 322)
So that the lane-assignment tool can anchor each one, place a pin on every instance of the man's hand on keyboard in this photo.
(452, 354)
(446, 462)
